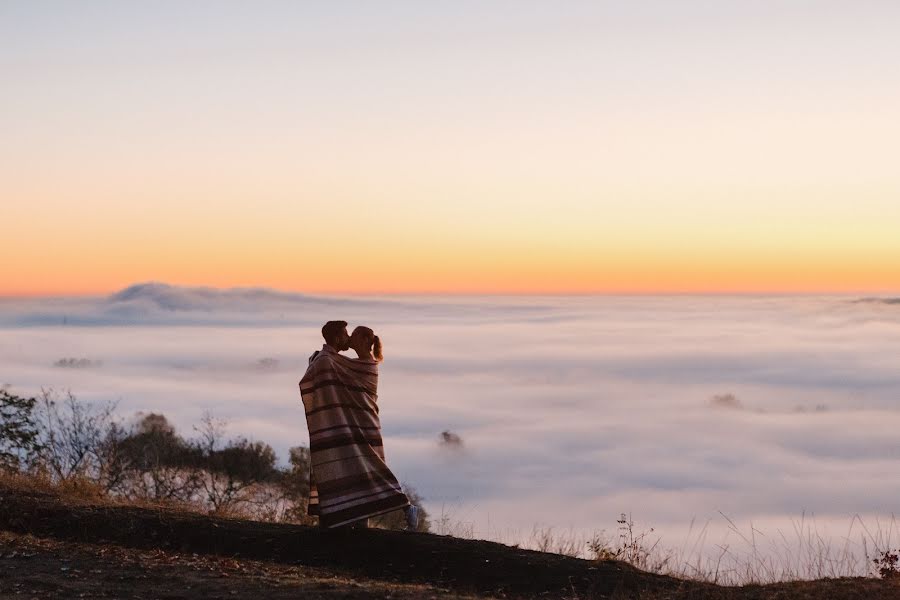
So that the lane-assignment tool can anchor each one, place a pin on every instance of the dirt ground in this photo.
(47, 569)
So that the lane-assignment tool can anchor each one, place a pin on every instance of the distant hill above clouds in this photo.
(175, 298)
(157, 304)
(878, 301)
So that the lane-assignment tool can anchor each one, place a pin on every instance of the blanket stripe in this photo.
(349, 478)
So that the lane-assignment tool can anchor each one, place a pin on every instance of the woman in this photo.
(350, 480)
(366, 344)
(368, 349)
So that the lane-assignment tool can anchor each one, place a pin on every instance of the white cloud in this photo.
(572, 410)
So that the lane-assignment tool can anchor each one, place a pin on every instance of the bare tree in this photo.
(70, 433)
(19, 440)
(294, 484)
(113, 463)
(153, 462)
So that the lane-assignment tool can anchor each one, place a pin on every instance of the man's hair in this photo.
(331, 329)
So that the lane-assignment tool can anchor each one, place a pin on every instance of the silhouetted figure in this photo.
(349, 480)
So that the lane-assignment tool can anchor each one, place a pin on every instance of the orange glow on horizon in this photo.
(513, 279)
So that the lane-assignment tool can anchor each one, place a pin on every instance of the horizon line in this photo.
(448, 293)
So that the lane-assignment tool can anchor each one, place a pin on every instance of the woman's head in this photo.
(364, 341)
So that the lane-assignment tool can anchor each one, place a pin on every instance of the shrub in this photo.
(888, 564)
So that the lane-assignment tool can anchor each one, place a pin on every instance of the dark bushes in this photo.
(73, 443)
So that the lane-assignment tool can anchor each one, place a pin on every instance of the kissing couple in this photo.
(349, 478)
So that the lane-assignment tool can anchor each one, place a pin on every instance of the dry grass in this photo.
(751, 557)
(82, 490)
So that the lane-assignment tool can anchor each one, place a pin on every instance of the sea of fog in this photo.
(706, 418)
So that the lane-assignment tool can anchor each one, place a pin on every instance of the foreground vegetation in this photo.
(63, 543)
(57, 451)
(65, 441)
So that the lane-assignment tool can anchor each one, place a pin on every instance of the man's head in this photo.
(336, 336)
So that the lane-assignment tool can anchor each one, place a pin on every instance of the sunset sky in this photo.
(489, 147)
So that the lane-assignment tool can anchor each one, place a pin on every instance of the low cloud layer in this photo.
(572, 410)
(160, 304)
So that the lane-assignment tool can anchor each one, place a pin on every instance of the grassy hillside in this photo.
(63, 545)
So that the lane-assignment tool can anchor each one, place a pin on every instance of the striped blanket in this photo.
(349, 478)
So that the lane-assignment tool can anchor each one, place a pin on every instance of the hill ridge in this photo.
(440, 563)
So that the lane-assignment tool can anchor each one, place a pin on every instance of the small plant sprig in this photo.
(632, 547)
(888, 564)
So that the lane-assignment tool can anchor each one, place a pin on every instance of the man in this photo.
(336, 337)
